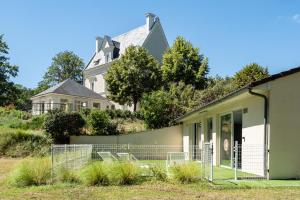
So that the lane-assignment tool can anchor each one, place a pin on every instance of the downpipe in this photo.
(266, 110)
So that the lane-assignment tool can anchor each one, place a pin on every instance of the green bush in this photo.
(158, 173)
(34, 171)
(21, 143)
(123, 114)
(100, 123)
(65, 175)
(60, 125)
(96, 173)
(186, 173)
(125, 173)
(11, 112)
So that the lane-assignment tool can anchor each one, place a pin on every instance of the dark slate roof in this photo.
(243, 89)
(70, 87)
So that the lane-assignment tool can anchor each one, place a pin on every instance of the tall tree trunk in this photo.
(134, 105)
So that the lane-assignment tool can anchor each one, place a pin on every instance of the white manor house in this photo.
(72, 96)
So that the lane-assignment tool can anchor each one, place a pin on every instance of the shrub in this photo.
(35, 171)
(66, 175)
(186, 173)
(100, 123)
(60, 125)
(21, 143)
(158, 173)
(35, 123)
(125, 173)
(95, 173)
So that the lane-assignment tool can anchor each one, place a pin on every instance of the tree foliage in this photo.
(60, 125)
(162, 107)
(64, 65)
(134, 74)
(98, 121)
(217, 87)
(249, 73)
(8, 91)
(182, 62)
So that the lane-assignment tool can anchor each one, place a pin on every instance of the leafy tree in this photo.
(64, 65)
(161, 108)
(249, 73)
(134, 74)
(217, 87)
(8, 91)
(182, 62)
(24, 94)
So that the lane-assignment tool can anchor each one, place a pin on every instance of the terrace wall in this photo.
(165, 136)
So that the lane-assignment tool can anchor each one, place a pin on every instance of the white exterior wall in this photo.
(252, 130)
(165, 136)
(54, 99)
(284, 137)
(156, 43)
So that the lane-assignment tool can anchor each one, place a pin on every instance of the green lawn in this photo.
(151, 190)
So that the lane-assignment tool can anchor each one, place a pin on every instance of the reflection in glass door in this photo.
(226, 132)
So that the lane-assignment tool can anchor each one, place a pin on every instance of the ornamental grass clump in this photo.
(65, 175)
(125, 173)
(187, 172)
(32, 171)
(96, 173)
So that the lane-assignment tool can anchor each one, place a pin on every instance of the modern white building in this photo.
(262, 117)
(108, 49)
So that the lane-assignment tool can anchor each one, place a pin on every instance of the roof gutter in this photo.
(266, 110)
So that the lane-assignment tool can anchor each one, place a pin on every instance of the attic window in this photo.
(96, 62)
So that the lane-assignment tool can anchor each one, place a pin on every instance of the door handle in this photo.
(244, 139)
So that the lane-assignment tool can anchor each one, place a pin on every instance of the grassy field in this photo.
(150, 190)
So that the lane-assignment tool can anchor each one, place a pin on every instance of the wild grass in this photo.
(65, 175)
(21, 143)
(125, 173)
(32, 171)
(186, 173)
(159, 173)
(96, 173)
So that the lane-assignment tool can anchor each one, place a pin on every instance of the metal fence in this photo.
(70, 156)
(247, 160)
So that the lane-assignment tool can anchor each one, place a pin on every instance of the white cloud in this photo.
(296, 18)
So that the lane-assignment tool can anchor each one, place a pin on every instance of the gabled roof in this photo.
(135, 37)
(70, 87)
(241, 90)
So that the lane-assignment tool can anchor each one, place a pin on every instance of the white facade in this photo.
(150, 36)
(43, 104)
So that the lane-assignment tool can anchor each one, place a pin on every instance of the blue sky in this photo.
(230, 33)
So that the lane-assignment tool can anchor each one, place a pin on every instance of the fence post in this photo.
(212, 163)
(52, 164)
(235, 159)
(75, 156)
(66, 156)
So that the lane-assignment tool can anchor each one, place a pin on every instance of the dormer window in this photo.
(96, 62)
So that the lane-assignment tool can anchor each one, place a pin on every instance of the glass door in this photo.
(226, 140)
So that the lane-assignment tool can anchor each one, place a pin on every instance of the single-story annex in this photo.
(69, 96)
(263, 115)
